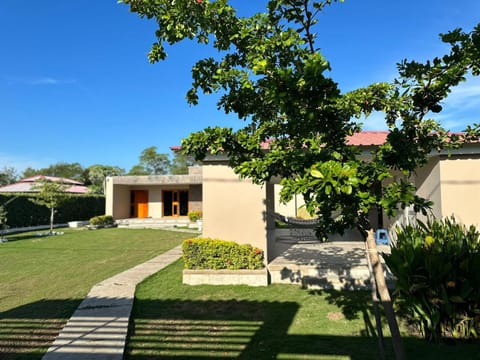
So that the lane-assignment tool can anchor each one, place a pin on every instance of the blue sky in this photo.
(76, 85)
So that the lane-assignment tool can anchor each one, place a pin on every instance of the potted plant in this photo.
(196, 216)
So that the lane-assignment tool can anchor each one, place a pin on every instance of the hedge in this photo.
(205, 253)
(21, 212)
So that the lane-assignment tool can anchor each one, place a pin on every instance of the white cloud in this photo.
(41, 80)
(466, 95)
(462, 107)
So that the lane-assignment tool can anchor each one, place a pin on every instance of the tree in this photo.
(73, 171)
(271, 73)
(50, 194)
(151, 163)
(8, 175)
(181, 163)
(96, 175)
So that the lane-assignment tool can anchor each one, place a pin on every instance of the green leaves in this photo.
(437, 283)
(270, 73)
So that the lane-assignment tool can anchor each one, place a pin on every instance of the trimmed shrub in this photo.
(21, 212)
(204, 253)
(102, 220)
(194, 215)
(437, 266)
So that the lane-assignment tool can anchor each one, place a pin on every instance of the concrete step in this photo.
(153, 223)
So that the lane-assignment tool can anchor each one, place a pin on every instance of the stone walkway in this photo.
(98, 328)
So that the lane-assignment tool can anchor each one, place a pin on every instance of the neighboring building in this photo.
(26, 185)
(236, 209)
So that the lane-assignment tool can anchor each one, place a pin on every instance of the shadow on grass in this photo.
(28, 330)
(195, 329)
(16, 237)
(352, 304)
(179, 329)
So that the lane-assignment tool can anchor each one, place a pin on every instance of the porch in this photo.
(331, 265)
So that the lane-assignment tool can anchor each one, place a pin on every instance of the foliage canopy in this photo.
(271, 73)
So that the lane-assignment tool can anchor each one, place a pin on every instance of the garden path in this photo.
(98, 328)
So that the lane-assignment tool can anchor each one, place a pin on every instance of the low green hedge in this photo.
(102, 220)
(204, 253)
(21, 212)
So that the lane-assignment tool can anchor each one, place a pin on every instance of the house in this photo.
(236, 209)
(154, 196)
(27, 185)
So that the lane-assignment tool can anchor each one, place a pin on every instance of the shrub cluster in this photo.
(21, 212)
(204, 253)
(102, 220)
(194, 215)
(437, 266)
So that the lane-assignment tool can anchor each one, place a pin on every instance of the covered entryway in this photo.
(175, 203)
(154, 196)
(139, 203)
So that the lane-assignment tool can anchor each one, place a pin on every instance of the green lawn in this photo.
(43, 279)
(175, 321)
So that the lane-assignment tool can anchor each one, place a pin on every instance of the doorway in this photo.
(139, 204)
(175, 203)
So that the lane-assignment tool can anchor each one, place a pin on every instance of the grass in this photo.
(175, 321)
(43, 279)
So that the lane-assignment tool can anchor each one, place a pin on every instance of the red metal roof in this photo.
(51, 178)
(367, 138)
(364, 138)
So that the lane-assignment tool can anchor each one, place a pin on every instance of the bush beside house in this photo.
(220, 262)
(102, 221)
(194, 216)
(204, 253)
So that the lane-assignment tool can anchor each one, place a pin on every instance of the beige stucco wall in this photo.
(118, 201)
(428, 183)
(453, 184)
(460, 188)
(233, 209)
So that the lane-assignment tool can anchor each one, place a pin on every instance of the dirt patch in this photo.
(335, 316)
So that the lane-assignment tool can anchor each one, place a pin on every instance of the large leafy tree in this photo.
(181, 163)
(96, 175)
(8, 175)
(73, 171)
(271, 73)
(151, 163)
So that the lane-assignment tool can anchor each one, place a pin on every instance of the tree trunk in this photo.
(52, 211)
(385, 296)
